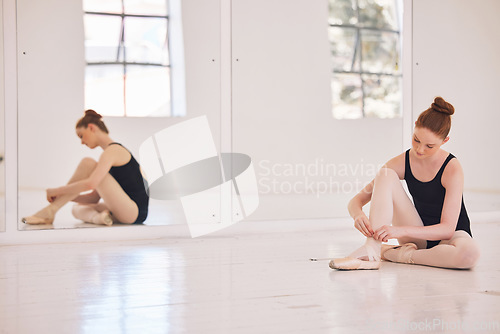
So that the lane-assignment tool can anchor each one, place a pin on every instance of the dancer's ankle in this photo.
(374, 244)
(370, 251)
(48, 212)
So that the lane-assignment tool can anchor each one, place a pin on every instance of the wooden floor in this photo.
(241, 283)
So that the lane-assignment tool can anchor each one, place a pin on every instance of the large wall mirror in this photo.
(307, 162)
(53, 65)
(2, 127)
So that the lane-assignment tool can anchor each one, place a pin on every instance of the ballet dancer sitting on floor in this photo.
(435, 230)
(116, 179)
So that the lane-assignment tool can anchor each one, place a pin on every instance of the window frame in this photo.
(121, 47)
(358, 49)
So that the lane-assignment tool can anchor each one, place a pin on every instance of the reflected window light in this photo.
(127, 57)
(365, 43)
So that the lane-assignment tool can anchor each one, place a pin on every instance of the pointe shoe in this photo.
(385, 248)
(365, 257)
(351, 263)
(34, 220)
(405, 253)
(103, 218)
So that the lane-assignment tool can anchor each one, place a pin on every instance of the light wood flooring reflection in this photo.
(260, 282)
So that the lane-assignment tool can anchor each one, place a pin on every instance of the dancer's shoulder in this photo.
(397, 164)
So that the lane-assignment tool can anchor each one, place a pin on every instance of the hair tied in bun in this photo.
(440, 105)
(92, 113)
(91, 117)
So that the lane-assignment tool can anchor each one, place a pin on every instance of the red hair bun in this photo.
(440, 105)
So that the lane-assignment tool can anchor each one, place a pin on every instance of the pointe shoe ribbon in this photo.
(351, 263)
(34, 220)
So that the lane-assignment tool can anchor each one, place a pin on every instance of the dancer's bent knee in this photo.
(386, 173)
(88, 162)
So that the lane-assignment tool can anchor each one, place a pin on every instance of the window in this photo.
(127, 55)
(365, 43)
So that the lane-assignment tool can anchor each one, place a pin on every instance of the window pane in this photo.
(102, 36)
(342, 45)
(146, 7)
(146, 40)
(104, 89)
(380, 51)
(342, 12)
(106, 6)
(382, 96)
(347, 96)
(378, 14)
(147, 91)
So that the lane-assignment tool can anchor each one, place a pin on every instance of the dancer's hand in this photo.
(51, 195)
(387, 232)
(363, 225)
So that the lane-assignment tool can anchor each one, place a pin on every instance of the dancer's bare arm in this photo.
(355, 208)
(108, 158)
(89, 198)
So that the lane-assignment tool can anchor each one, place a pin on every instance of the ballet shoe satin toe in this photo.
(385, 248)
(405, 253)
(351, 263)
(34, 220)
(105, 218)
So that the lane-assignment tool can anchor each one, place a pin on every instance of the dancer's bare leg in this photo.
(116, 205)
(460, 252)
(47, 214)
(389, 205)
(123, 209)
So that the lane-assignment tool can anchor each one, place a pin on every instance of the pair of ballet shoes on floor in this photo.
(103, 218)
(350, 263)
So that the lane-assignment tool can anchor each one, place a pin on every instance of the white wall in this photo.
(2, 126)
(456, 52)
(282, 111)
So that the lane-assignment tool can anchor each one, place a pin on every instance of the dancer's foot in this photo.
(400, 254)
(44, 216)
(34, 220)
(103, 218)
(365, 257)
(385, 248)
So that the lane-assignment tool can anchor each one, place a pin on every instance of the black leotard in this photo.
(428, 198)
(135, 186)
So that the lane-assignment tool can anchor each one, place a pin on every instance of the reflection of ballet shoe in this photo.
(103, 218)
(34, 220)
(385, 248)
(351, 263)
